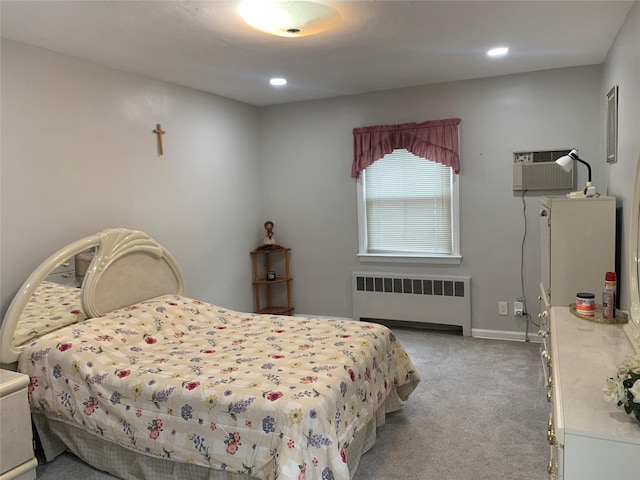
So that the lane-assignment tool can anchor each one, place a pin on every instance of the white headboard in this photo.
(128, 267)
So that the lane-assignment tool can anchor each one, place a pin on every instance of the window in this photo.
(408, 208)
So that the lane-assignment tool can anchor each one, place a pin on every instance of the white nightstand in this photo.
(17, 459)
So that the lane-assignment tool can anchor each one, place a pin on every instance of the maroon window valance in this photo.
(435, 140)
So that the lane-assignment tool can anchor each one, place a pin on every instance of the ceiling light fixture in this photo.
(288, 18)
(278, 81)
(498, 52)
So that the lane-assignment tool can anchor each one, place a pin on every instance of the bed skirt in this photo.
(58, 436)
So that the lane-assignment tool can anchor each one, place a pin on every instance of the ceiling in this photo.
(377, 45)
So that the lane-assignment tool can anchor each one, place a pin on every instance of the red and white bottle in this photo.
(609, 296)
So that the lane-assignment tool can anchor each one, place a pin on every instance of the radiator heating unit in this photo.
(441, 300)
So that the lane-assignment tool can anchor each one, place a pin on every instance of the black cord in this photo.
(524, 298)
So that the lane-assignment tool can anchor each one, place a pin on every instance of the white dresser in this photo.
(17, 459)
(578, 246)
(590, 439)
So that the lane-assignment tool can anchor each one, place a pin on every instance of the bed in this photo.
(146, 382)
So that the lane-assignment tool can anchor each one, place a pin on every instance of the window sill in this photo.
(408, 258)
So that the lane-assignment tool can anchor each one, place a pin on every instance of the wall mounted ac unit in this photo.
(538, 171)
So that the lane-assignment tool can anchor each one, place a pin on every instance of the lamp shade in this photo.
(566, 162)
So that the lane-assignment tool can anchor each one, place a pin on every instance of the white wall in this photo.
(307, 153)
(79, 155)
(622, 68)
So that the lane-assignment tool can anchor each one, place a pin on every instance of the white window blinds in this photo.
(408, 202)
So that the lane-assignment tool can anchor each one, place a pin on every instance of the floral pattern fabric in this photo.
(271, 396)
(50, 307)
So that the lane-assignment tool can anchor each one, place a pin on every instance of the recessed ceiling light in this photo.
(297, 18)
(498, 52)
(278, 82)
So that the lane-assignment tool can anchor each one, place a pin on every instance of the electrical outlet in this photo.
(503, 308)
(518, 309)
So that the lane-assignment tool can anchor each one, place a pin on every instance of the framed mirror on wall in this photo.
(612, 125)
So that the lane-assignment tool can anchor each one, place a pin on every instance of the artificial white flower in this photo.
(631, 364)
(629, 396)
(614, 391)
(635, 391)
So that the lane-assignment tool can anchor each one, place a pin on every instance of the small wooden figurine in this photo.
(269, 240)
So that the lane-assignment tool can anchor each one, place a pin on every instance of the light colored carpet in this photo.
(479, 413)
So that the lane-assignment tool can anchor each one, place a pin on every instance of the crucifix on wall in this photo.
(158, 131)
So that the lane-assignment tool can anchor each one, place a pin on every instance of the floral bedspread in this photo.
(270, 396)
(51, 307)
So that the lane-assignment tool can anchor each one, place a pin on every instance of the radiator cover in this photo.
(441, 299)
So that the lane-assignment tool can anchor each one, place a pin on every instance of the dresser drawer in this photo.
(554, 467)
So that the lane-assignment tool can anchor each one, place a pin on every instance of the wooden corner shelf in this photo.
(263, 286)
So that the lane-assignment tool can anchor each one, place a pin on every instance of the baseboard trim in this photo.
(505, 335)
(475, 332)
